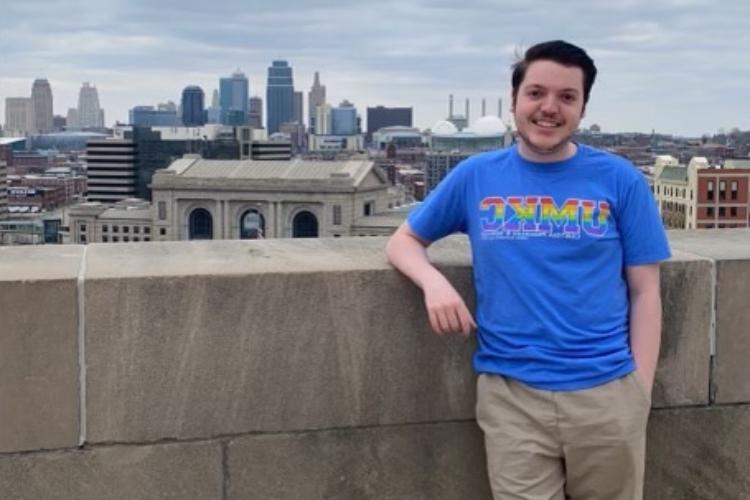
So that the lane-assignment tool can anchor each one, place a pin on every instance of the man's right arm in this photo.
(447, 311)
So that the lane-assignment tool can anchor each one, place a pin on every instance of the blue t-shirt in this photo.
(550, 243)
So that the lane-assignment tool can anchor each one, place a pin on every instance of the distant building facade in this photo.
(279, 96)
(3, 190)
(42, 106)
(233, 99)
(255, 115)
(316, 97)
(148, 116)
(89, 114)
(193, 107)
(19, 116)
(697, 196)
(344, 119)
(299, 107)
(381, 116)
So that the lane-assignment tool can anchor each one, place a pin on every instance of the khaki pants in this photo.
(552, 445)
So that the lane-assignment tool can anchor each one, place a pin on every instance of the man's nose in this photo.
(549, 104)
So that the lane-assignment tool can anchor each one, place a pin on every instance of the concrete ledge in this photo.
(422, 462)
(186, 471)
(699, 453)
(39, 398)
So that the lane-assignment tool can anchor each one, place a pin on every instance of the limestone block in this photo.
(683, 372)
(698, 454)
(418, 462)
(39, 398)
(732, 369)
(187, 471)
(207, 355)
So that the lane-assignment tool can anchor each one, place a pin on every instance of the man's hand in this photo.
(445, 307)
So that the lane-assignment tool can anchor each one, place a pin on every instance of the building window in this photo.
(105, 228)
(252, 225)
(147, 239)
(125, 238)
(722, 190)
(105, 239)
(201, 225)
(146, 230)
(337, 215)
(734, 190)
(83, 238)
(710, 193)
(691, 194)
(369, 208)
(136, 229)
(115, 229)
(115, 239)
(657, 189)
(305, 225)
(162, 210)
(733, 211)
(722, 211)
(82, 228)
(710, 211)
(125, 229)
(135, 238)
(163, 231)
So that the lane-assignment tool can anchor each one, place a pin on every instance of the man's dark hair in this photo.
(560, 52)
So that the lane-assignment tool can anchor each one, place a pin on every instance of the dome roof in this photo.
(444, 128)
(488, 125)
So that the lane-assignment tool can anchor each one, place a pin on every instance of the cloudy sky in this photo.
(677, 66)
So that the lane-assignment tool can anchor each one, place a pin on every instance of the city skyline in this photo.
(673, 66)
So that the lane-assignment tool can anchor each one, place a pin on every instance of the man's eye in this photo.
(568, 98)
(534, 93)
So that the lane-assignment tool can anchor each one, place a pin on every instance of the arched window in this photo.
(252, 225)
(201, 225)
(305, 225)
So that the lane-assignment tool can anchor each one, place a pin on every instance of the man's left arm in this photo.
(645, 319)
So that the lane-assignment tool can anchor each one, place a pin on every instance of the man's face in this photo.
(547, 110)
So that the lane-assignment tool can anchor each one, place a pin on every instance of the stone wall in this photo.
(305, 369)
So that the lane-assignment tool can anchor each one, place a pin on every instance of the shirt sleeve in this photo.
(644, 239)
(443, 212)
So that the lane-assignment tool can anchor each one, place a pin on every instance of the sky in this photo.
(674, 66)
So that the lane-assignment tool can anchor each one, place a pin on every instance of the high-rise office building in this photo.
(213, 113)
(233, 98)
(19, 116)
(193, 113)
(323, 120)
(111, 170)
(381, 116)
(90, 114)
(344, 119)
(315, 98)
(255, 115)
(41, 102)
(299, 103)
(279, 95)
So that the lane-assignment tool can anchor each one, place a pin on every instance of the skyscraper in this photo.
(19, 116)
(4, 191)
(255, 115)
(344, 119)
(213, 114)
(316, 97)
(299, 103)
(192, 107)
(90, 115)
(279, 95)
(41, 102)
(233, 98)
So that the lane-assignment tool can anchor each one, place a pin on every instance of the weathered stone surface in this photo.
(420, 462)
(731, 251)
(39, 398)
(699, 454)
(683, 372)
(190, 471)
(732, 369)
(209, 355)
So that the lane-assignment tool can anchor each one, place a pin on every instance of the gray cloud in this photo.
(673, 65)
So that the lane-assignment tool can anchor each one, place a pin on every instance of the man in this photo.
(566, 242)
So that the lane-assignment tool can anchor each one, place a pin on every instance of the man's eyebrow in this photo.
(566, 89)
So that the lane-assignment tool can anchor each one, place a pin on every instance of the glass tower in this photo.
(192, 107)
(279, 95)
(233, 98)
